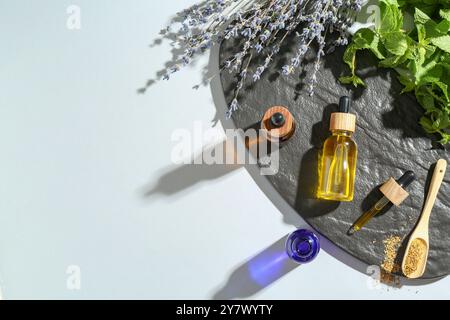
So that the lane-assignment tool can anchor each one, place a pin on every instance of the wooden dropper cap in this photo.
(279, 123)
(343, 120)
(395, 190)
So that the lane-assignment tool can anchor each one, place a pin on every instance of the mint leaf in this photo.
(442, 121)
(421, 34)
(364, 39)
(434, 29)
(391, 16)
(430, 76)
(442, 43)
(445, 14)
(427, 103)
(390, 62)
(396, 43)
(427, 124)
(367, 39)
(354, 80)
(349, 56)
(420, 17)
(444, 89)
(416, 63)
(443, 27)
(445, 138)
(421, 68)
(407, 82)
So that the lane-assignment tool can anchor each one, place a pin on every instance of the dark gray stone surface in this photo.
(389, 140)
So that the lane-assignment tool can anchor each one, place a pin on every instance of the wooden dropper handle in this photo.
(436, 181)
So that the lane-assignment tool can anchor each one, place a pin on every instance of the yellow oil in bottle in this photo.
(337, 167)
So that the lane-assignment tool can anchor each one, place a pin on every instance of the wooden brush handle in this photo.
(436, 181)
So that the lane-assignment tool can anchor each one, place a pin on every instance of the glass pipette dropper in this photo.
(404, 181)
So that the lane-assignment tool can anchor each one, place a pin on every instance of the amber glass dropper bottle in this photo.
(337, 162)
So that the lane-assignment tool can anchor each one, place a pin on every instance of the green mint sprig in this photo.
(420, 56)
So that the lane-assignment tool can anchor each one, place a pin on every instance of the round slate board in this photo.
(390, 141)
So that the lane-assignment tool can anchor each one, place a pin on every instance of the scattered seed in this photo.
(389, 266)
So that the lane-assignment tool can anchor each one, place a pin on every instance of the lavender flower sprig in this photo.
(263, 26)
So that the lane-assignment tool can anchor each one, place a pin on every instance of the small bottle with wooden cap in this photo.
(337, 162)
(393, 191)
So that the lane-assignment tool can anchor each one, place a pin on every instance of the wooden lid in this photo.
(394, 192)
(343, 121)
(278, 133)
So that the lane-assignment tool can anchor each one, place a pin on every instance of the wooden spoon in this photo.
(416, 254)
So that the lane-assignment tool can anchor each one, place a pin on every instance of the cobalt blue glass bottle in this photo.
(303, 246)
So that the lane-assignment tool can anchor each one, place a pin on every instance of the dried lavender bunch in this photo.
(263, 26)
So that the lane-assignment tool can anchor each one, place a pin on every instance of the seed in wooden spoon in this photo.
(416, 255)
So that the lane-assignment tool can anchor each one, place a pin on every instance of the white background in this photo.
(80, 148)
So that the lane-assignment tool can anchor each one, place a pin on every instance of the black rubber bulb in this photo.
(344, 104)
(406, 179)
(277, 120)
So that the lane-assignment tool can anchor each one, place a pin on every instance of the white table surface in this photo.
(80, 148)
